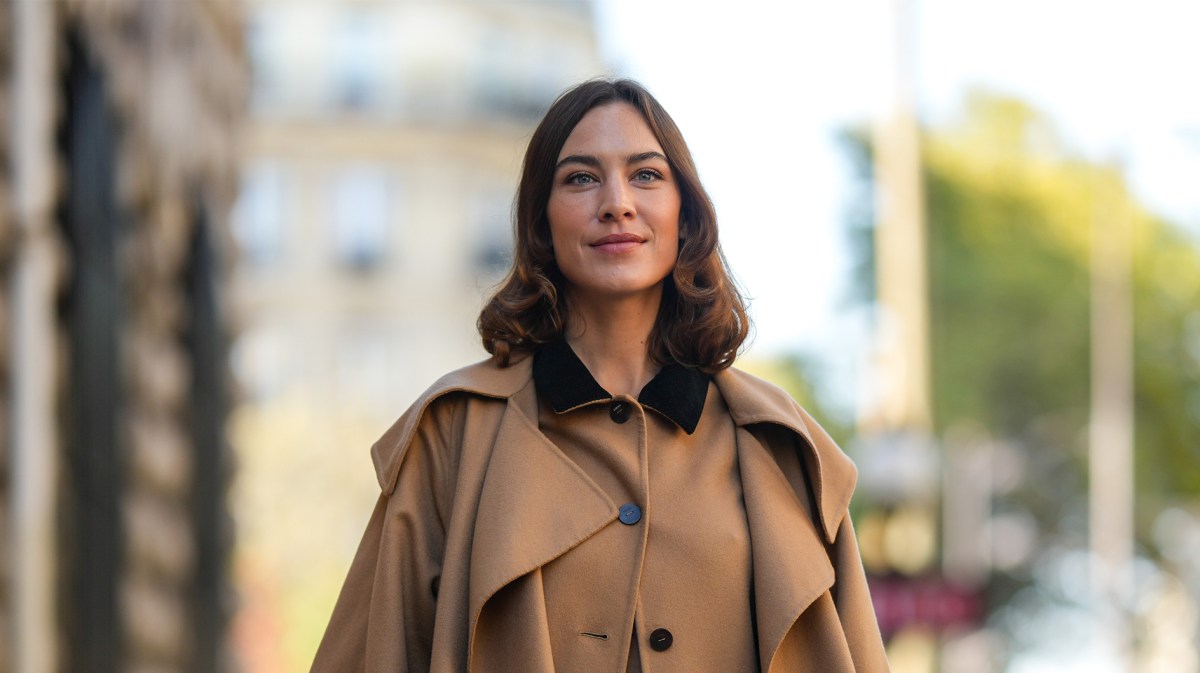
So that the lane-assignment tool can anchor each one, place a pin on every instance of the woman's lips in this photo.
(615, 243)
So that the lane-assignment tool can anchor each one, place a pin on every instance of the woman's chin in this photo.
(623, 291)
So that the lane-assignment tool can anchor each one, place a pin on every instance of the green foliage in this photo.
(860, 213)
(1167, 343)
(1009, 218)
(1008, 277)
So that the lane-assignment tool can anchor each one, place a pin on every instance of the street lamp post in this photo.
(1110, 429)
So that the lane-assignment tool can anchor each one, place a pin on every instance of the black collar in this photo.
(676, 392)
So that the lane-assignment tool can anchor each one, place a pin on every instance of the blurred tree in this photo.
(1009, 216)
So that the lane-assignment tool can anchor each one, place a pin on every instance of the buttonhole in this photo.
(597, 636)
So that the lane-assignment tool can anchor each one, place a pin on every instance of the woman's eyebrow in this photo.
(589, 160)
(585, 159)
(644, 156)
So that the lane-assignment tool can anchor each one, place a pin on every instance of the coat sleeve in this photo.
(852, 599)
(383, 619)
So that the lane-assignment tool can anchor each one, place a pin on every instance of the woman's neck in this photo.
(612, 339)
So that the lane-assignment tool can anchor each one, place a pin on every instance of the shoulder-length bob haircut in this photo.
(702, 320)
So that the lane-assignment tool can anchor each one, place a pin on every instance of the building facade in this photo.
(381, 162)
(120, 169)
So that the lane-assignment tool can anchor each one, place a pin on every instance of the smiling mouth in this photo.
(618, 242)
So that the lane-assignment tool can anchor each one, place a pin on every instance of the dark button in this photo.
(630, 514)
(620, 411)
(660, 640)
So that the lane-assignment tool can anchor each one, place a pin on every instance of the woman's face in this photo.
(614, 207)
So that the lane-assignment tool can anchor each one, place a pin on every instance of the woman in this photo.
(606, 493)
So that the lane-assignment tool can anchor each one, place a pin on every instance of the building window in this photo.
(363, 204)
(359, 60)
(262, 47)
(493, 79)
(490, 224)
(258, 214)
(518, 76)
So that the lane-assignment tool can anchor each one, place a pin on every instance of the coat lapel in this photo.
(481, 378)
(792, 567)
(536, 504)
(752, 401)
(791, 564)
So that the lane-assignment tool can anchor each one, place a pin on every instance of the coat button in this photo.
(660, 640)
(630, 514)
(620, 411)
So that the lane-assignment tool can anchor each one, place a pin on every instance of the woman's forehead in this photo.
(617, 129)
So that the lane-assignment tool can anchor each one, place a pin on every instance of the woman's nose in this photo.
(615, 203)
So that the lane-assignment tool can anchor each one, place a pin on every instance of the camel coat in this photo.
(475, 501)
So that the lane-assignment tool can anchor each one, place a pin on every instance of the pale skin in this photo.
(614, 222)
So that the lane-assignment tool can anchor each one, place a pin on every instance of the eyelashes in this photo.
(643, 175)
(580, 178)
(647, 175)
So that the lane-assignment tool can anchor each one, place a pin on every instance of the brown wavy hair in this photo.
(702, 320)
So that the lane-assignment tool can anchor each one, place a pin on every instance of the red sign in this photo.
(930, 602)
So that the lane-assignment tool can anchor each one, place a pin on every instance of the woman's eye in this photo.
(647, 175)
(580, 179)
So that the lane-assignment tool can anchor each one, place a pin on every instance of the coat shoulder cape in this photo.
(751, 402)
(433, 585)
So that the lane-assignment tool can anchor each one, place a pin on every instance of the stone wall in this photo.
(5, 273)
(177, 80)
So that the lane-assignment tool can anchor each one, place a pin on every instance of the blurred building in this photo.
(381, 162)
(119, 168)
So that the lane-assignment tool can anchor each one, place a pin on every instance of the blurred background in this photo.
(237, 238)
